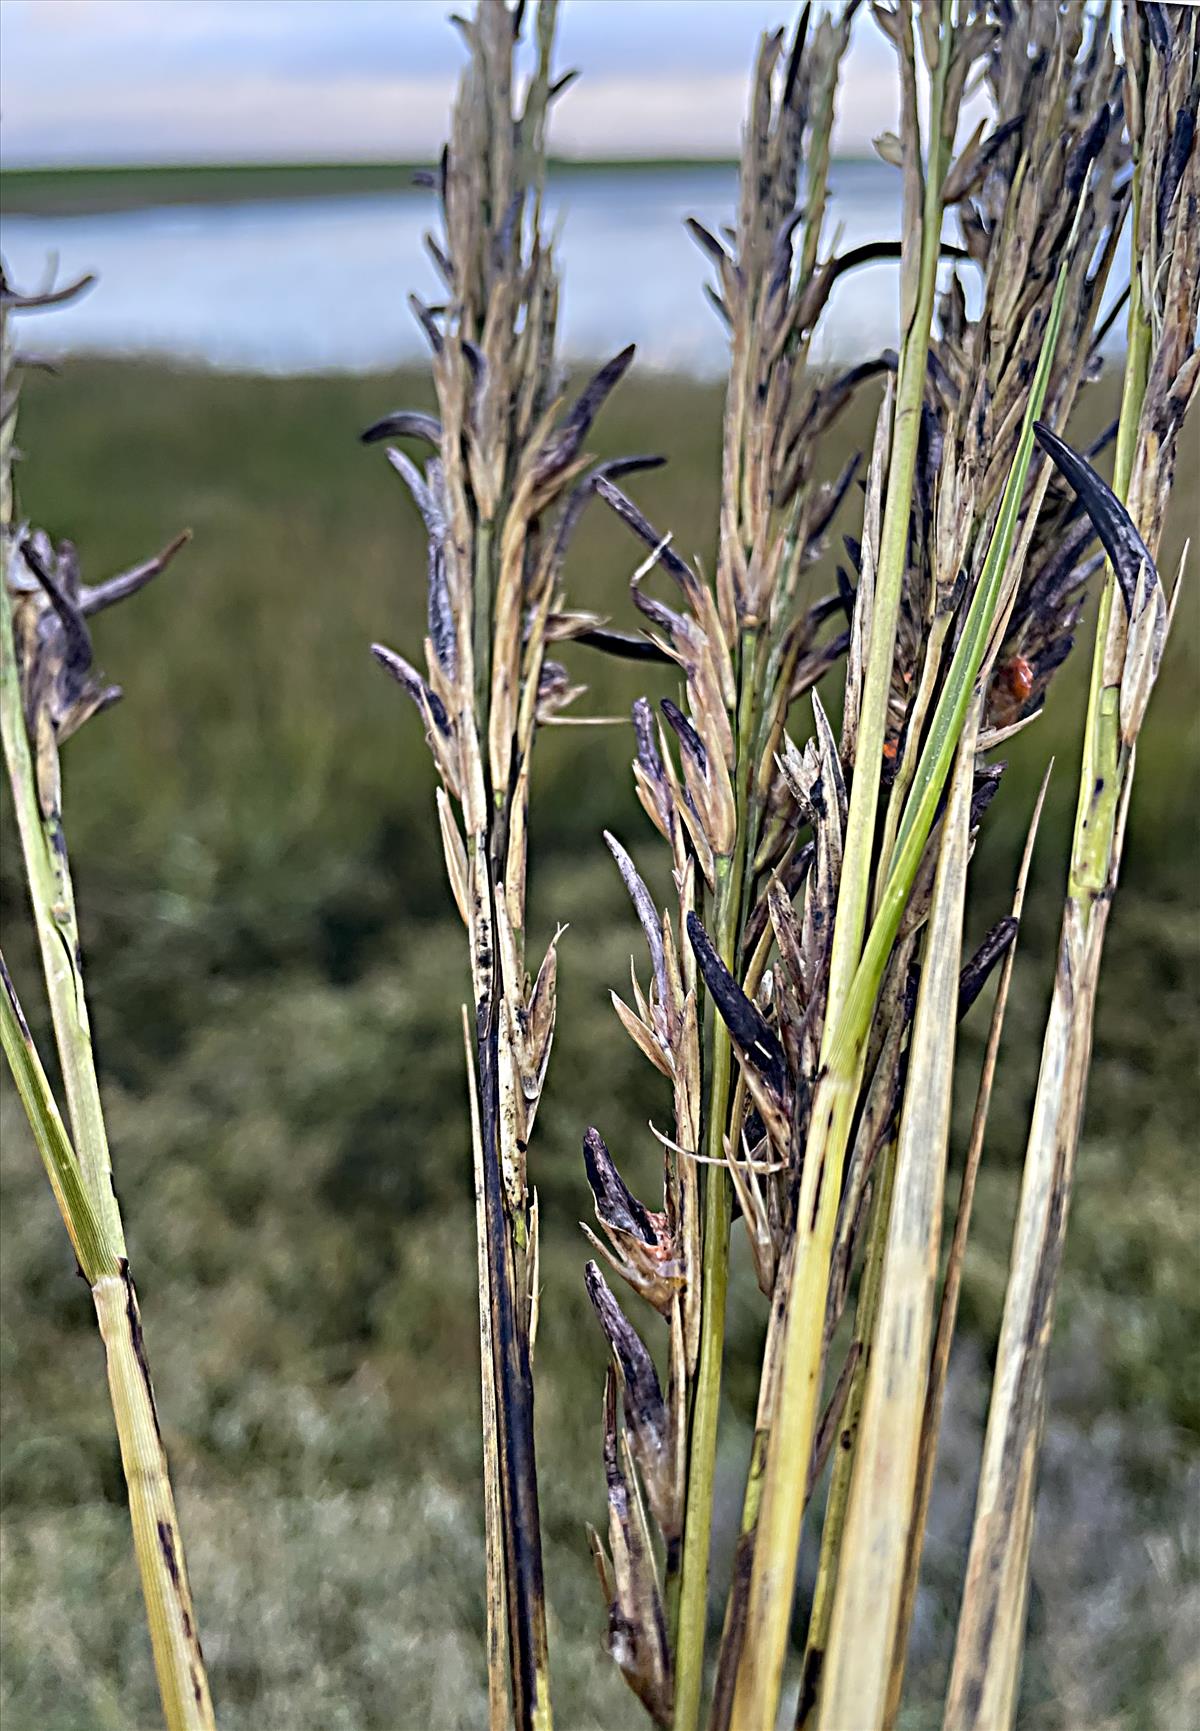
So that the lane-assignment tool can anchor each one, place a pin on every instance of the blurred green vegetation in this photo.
(275, 973)
(80, 191)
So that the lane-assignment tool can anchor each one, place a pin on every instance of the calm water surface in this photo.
(320, 284)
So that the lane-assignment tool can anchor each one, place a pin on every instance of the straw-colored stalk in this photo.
(952, 1284)
(493, 1514)
(892, 1464)
(78, 1163)
(866, 1603)
(1162, 370)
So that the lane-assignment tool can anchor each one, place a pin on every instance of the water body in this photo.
(320, 284)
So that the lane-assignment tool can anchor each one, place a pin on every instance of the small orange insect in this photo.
(1017, 676)
(1011, 690)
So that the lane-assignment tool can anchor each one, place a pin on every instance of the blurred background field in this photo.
(276, 970)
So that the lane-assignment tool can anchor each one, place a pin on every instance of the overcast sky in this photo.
(110, 81)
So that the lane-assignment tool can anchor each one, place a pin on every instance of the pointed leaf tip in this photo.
(1118, 534)
(403, 424)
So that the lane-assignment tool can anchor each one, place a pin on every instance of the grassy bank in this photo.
(276, 973)
(82, 191)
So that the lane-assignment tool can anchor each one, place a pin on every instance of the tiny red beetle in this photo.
(1017, 675)
(1011, 690)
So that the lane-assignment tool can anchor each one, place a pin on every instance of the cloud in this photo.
(311, 119)
(699, 113)
(174, 80)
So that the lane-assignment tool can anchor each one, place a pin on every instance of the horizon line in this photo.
(302, 164)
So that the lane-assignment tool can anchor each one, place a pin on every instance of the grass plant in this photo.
(48, 689)
(500, 499)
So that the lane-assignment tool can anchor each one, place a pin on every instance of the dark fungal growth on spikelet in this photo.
(637, 1630)
(51, 605)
